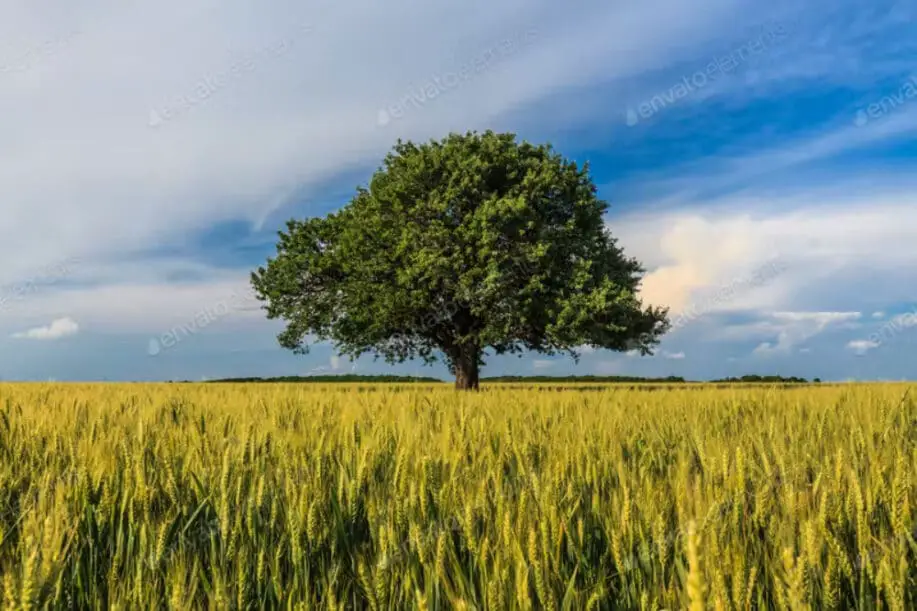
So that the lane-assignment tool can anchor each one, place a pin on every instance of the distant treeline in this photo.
(764, 379)
(753, 379)
(586, 379)
(351, 378)
(589, 379)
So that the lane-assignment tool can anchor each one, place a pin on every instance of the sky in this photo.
(758, 158)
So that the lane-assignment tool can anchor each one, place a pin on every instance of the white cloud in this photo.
(259, 110)
(878, 315)
(673, 355)
(789, 329)
(248, 116)
(62, 327)
(829, 248)
(906, 320)
(334, 362)
(820, 319)
(862, 346)
(541, 364)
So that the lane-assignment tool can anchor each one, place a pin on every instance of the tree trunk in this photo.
(465, 366)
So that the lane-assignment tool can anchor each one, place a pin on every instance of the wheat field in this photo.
(194, 496)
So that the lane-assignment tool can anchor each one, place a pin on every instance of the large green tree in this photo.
(457, 246)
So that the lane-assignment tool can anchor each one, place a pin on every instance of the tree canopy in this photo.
(472, 243)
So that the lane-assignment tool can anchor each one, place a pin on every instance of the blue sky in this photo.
(758, 158)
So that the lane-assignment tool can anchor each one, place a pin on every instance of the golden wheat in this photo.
(418, 497)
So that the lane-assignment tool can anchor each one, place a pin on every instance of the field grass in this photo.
(231, 496)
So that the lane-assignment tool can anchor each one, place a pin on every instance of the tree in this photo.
(457, 246)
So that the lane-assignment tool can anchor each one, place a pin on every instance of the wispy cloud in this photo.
(47, 276)
(862, 346)
(716, 68)
(441, 84)
(793, 328)
(211, 84)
